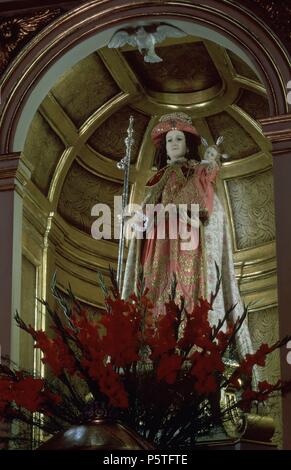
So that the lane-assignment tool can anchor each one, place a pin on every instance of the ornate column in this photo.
(278, 130)
(13, 177)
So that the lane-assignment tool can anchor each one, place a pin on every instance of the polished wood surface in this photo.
(99, 434)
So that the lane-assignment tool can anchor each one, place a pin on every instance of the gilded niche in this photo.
(255, 105)
(237, 142)
(252, 205)
(241, 67)
(43, 149)
(108, 139)
(84, 88)
(185, 68)
(80, 192)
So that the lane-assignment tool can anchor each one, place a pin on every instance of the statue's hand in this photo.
(192, 163)
(139, 221)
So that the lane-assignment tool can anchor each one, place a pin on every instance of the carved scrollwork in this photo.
(17, 31)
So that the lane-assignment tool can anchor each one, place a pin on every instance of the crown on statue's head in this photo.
(176, 117)
(174, 121)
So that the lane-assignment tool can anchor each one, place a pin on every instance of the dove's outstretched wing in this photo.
(166, 31)
(121, 38)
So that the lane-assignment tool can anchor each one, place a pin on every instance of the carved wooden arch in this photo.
(235, 23)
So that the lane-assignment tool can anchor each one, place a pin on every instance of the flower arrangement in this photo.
(161, 376)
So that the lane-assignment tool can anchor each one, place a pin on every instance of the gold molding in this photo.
(36, 208)
(246, 166)
(251, 85)
(9, 165)
(264, 253)
(150, 106)
(100, 115)
(102, 166)
(80, 246)
(250, 125)
(194, 98)
(58, 120)
(258, 300)
(120, 70)
(222, 62)
(59, 176)
(75, 140)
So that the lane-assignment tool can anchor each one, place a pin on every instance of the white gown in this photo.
(218, 249)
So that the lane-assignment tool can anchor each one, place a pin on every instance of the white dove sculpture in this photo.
(145, 41)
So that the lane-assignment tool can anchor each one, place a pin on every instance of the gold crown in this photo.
(176, 117)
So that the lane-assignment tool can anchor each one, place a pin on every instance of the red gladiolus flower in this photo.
(128, 358)
(161, 342)
(93, 364)
(164, 337)
(204, 368)
(206, 363)
(197, 330)
(260, 355)
(258, 358)
(27, 393)
(121, 341)
(169, 367)
(51, 398)
(222, 340)
(249, 394)
(5, 388)
(88, 332)
(111, 386)
(206, 386)
(200, 315)
(55, 353)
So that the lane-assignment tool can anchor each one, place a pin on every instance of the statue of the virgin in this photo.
(183, 178)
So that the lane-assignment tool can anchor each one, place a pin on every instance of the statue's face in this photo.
(211, 153)
(176, 145)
